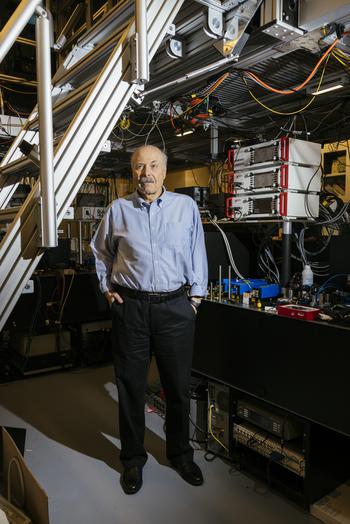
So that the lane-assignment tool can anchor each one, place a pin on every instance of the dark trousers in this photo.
(166, 328)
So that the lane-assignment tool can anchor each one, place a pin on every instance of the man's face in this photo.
(149, 171)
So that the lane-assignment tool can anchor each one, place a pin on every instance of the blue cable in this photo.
(324, 285)
(334, 276)
(328, 286)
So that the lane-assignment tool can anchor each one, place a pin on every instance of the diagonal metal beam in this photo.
(76, 153)
(111, 28)
(16, 24)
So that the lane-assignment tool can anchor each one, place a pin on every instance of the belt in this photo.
(149, 296)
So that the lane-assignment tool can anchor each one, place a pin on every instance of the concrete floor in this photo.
(72, 447)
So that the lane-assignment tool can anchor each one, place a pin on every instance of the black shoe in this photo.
(190, 472)
(131, 479)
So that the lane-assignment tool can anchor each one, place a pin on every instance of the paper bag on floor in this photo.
(25, 491)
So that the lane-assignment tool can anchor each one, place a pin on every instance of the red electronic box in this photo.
(297, 311)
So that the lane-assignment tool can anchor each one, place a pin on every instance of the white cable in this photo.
(267, 267)
(269, 254)
(300, 247)
(154, 125)
(228, 248)
(161, 136)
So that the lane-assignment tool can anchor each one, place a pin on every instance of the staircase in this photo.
(94, 84)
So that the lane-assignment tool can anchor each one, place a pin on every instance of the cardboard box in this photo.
(334, 508)
(23, 487)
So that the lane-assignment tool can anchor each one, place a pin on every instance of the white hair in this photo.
(136, 152)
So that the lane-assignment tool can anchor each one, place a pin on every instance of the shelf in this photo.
(285, 450)
(336, 156)
(331, 175)
(266, 444)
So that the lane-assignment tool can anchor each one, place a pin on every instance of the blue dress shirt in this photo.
(151, 247)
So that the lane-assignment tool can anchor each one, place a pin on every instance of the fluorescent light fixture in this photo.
(327, 89)
(332, 84)
(183, 132)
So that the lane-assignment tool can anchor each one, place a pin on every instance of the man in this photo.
(148, 246)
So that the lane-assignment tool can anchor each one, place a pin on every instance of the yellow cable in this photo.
(340, 60)
(175, 116)
(211, 90)
(300, 86)
(274, 110)
(341, 53)
(16, 91)
(211, 430)
(18, 113)
(291, 112)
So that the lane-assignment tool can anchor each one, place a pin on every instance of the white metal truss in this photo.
(105, 98)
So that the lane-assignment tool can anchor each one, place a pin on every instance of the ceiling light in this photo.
(333, 83)
(183, 132)
(327, 89)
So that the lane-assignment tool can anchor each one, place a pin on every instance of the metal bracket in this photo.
(174, 48)
(171, 30)
(40, 11)
(64, 88)
(231, 29)
(232, 47)
(282, 22)
(235, 37)
(283, 31)
(74, 17)
(106, 147)
(228, 44)
(77, 53)
(29, 287)
(46, 13)
(231, 4)
(34, 155)
(138, 94)
(214, 24)
(308, 41)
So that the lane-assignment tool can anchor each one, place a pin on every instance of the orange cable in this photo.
(301, 86)
(211, 90)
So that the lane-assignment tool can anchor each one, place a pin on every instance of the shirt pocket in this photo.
(176, 234)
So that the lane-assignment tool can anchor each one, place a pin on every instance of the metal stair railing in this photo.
(76, 152)
(93, 49)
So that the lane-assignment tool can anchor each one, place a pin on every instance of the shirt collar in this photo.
(142, 204)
